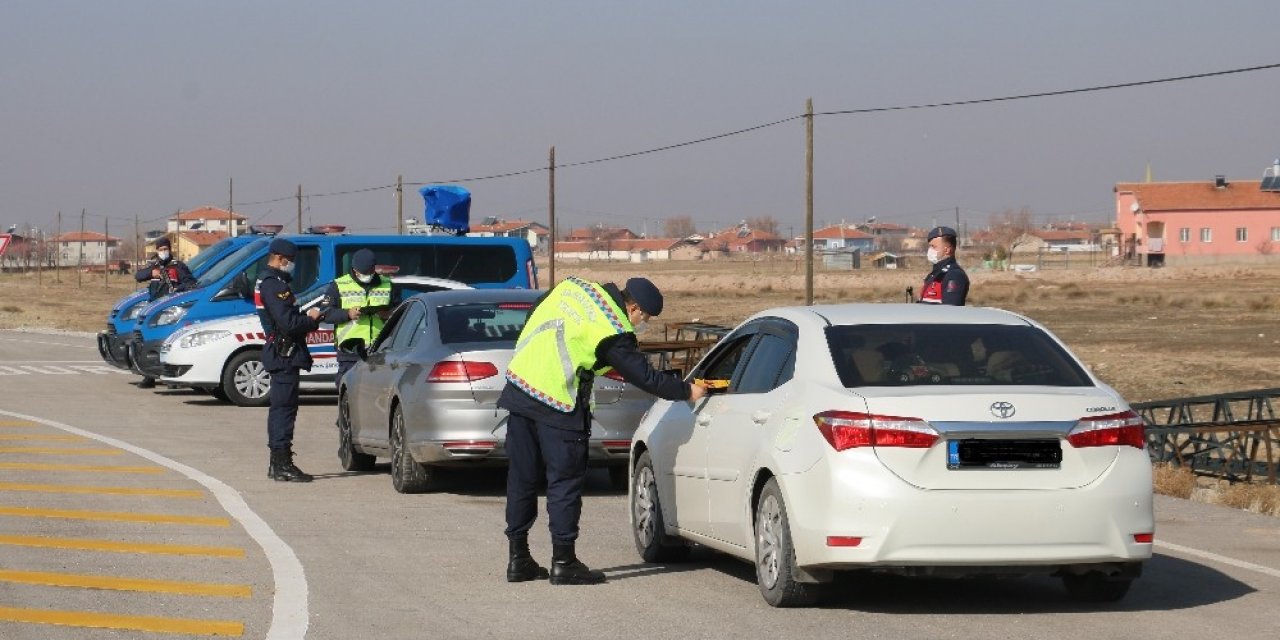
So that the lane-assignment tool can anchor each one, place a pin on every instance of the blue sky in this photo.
(141, 108)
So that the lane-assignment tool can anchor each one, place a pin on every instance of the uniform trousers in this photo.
(535, 450)
(283, 411)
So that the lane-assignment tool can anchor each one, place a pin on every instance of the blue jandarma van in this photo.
(113, 342)
(227, 288)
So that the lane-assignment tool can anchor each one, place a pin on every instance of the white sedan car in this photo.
(913, 439)
(224, 357)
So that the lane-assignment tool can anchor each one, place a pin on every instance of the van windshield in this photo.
(232, 262)
(202, 259)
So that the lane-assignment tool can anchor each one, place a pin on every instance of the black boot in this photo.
(566, 568)
(147, 383)
(522, 567)
(283, 469)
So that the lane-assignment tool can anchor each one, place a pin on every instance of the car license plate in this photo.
(976, 453)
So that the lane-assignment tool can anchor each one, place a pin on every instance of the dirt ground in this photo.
(1150, 333)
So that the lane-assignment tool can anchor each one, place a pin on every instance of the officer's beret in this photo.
(646, 294)
(283, 247)
(363, 261)
(938, 232)
(162, 241)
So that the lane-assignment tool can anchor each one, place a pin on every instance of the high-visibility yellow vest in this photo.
(352, 294)
(560, 338)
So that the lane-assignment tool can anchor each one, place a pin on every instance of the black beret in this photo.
(938, 232)
(646, 295)
(283, 247)
(363, 261)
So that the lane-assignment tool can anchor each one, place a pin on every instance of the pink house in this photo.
(1217, 218)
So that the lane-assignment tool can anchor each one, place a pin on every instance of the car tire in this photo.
(652, 541)
(1096, 587)
(245, 380)
(407, 476)
(775, 554)
(351, 459)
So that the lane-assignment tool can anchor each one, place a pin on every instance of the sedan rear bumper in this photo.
(903, 526)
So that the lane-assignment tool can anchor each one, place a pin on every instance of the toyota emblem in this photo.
(1002, 409)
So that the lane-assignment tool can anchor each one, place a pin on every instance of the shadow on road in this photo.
(1167, 584)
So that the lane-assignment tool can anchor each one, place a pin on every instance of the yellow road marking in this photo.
(37, 466)
(27, 436)
(84, 544)
(57, 451)
(126, 584)
(188, 626)
(120, 491)
(115, 516)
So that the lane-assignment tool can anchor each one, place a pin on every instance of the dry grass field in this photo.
(1150, 333)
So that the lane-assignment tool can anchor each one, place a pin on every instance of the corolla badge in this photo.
(1002, 409)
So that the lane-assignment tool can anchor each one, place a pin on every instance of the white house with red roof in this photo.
(535, 233)
(208, 219)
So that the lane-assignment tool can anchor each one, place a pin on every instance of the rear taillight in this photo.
(456, 371)
(469, 446)
(614, 375)
(848, 429)
(1144, 538)
(1116, 429)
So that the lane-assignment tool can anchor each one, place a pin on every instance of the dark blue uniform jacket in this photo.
(281, 317)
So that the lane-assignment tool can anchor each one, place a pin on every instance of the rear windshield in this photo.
(909, 355)
(483, 321)
(470, 263)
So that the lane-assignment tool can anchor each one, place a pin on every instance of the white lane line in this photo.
(50, 344)
(289, 615)
(1213, 557)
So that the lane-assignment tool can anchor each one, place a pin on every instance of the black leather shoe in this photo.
(147, 383)
(574, 572)
(524, 569)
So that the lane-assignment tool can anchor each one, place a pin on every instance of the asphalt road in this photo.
(150, 510)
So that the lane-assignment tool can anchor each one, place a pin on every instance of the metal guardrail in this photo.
(1234, 436)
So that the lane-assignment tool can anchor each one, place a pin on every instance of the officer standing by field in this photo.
(358, 305)
(576, 331)
(284, 355)
(947, 283)
(166, 274)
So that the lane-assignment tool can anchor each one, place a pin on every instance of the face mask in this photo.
(639, 328)
(163, 255)
(287, 268)
(364, 279)
(932, 255)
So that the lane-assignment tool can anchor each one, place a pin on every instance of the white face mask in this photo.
(163, 255)
(932, 255)
(640, 327)
(364, 279)
(287, 268)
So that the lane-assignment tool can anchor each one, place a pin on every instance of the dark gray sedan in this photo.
(425, 394)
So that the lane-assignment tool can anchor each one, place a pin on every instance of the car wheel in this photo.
(775, 555)
(1096, 587)
(407, 476)
(652, 541)
(246, 381)
(351, 459)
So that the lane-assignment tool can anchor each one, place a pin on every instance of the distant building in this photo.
(536, 234)
(84, 248)
(208, 219)
(1213, 218)
(627, 249)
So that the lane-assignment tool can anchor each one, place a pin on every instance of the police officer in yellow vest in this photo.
(576, 331)
(357, 304)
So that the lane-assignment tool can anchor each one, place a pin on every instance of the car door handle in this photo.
(703, 421)
(761, 416)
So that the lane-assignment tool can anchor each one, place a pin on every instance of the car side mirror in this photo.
(362, 352)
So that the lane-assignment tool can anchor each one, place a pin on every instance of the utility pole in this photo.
(106, 246)
(808, 202)
(57, 253)
(957, 226)
(551, 207)
(137, 241)
(231, 207)
(80, 261)
(400, 205)
(299, 208)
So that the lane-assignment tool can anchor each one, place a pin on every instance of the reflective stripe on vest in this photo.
(560, 338)
(352, 294)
